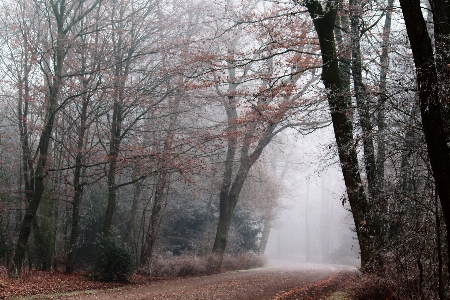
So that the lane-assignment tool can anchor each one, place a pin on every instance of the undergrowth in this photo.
(192, 265)
(371, 287)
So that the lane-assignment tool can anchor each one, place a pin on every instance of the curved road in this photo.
(258, 284)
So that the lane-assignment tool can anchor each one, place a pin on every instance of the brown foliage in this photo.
(371, 287)
(42, 282)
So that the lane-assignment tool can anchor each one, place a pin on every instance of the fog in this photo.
(312, 224)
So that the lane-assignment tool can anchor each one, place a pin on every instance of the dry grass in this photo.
(191, 265)
(371, 287)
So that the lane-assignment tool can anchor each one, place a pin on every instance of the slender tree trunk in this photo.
(361, 97)
(381, 118)
(162, 186)
(123, 54)
(307, 235)
(112, 170)
(40, 171)
(155, 218)
(441, 290)
(77, 188)
(134, 206)
(267, 225)
(207, 235)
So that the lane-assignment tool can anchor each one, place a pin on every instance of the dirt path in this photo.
(252, 284)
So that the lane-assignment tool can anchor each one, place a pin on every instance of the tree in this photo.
(257, 112)
(64, 21)
(432, 81)
(324, 19)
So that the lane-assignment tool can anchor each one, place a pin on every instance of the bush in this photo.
(243, 261)
(371, 287)
(190, 265)
(114, 262)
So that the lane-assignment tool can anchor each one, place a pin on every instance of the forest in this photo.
(154, 128)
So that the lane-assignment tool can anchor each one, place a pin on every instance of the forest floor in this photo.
(296, 281)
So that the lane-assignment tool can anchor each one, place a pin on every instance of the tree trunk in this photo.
(155, 218)
(77, 188)
(162, 186)
(137, 190)
(324, 21)
(307, 235)
(229, 194)
(113, 154)
(342, 26)
(381, 122)
(44, 237)
(40, 171)
(225, 203)
(361, 97)
(267, 225)
(226, 206)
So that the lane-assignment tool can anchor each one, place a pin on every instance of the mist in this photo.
(313, 223)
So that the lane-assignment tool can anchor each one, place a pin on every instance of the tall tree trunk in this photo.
(324, 21)
(77, 187)
(115, 140)
(207, 236)
(232, 186)
(361, 97)
(432, 104)
(344, 56)
(381, 118)
(307, 235)
(122, 53)
(137, 190)
(382, 202)
(225, 204)
(43, 227)
(162, 186)
(41, 165)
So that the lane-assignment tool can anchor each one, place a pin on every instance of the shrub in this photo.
(243, 261)
(191, 265)
(114, 262)
(371, 287)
